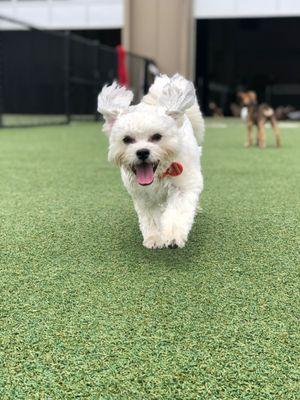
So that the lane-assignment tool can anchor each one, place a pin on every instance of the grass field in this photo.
(87, 313)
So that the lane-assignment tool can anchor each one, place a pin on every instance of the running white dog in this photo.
(155, 145)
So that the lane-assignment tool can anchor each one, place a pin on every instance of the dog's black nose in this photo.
(143, 154)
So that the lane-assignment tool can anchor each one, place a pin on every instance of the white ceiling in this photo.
(105, 14)
(65, 14)
(245, 8)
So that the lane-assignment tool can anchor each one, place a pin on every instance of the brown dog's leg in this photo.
(249, 134)
(261, 135)
(276, 131)
(257, 137)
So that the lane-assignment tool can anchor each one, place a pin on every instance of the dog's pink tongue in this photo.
(144, 174)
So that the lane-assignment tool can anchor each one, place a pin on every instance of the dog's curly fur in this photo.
(165, 127)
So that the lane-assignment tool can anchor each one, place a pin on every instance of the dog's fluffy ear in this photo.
(177, 96)
(112, 101)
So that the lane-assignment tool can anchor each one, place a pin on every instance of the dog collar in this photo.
(175, 169)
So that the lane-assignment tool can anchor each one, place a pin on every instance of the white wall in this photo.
(245, 8)
(105, 14)
(64, 14)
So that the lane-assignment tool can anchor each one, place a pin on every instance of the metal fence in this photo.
(49, 77)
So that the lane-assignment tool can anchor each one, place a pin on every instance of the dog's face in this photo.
(144, 143)
(145, 139)
(247, 98)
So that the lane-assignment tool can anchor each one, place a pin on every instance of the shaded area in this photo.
(59, 74)
(53, 72)
(260, 54)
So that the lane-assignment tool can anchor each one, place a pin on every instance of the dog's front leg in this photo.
(249, 134)
(178, 218)
(261, 134)
(149, 225)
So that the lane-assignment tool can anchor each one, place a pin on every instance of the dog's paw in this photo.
(153, 243)
(173, 236)
(173, 245)
(174, 241)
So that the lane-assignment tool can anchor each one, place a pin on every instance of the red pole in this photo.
(122, 69)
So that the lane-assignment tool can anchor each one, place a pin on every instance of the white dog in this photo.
(155, 145)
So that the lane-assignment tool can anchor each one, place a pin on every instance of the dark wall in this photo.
(45, 73)
(251, 53)
(109, 37)
(32, 72)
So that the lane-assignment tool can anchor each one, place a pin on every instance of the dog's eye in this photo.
(156, 137)
(128, 140)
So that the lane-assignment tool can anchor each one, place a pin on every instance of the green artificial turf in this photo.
(87, 313)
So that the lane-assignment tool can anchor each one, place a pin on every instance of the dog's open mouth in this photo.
(145, 173)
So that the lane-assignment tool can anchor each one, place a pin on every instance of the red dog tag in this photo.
(174, 169)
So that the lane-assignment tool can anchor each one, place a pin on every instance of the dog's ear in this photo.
(177, 96)
(112, 101)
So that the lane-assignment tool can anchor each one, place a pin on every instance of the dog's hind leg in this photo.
(275, 130)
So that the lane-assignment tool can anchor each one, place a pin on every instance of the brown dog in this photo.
(258, 115)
